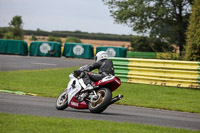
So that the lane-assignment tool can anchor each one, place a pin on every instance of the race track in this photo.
(31, 105)
(13, 62)
(21, 104)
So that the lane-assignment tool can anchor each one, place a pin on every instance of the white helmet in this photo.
(100, 56)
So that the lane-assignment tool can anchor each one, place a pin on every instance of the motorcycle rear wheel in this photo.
(103, 101)
(62, 101)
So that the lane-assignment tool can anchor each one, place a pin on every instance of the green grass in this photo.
(170, 98)
(12, 123)
(44, 82)
(50, 82)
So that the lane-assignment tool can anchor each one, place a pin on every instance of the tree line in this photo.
(78, 34)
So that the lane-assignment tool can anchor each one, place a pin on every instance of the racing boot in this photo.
(89, 87)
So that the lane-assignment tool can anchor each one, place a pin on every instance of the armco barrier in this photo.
(158, 72)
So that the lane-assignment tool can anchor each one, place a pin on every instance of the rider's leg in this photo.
(89, 78)
(95, 77)
(87, 83)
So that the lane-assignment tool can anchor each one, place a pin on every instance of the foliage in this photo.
(4, 29)
(51, 38)
(16, 22)
(164, 19)
(54, 39)
(16, 28)
(73, 39)
(8, 35)
(146, 44)
(168, 56)
(58, 39)
(33, 37)
(1, 34)
(82, 35)
(154, 55)
(193, 34)
(78, 34)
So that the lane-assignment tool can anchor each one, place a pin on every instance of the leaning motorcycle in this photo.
(97, 99)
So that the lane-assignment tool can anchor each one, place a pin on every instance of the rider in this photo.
(104, 66)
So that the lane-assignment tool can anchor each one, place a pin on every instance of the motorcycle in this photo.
(97, 100)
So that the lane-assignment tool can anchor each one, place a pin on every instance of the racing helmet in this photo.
(100, 56)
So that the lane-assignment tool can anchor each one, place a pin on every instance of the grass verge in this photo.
(50, 82)
(12, 123)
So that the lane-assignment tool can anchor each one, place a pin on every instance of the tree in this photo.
(16, 28)
(73, 39)
(146, 44)
(163, 19)
(33, 37)
(193, 34)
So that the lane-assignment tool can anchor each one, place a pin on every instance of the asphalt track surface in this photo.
(40, 106)
(13, 62)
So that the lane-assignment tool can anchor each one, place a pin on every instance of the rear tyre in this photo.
(102, 102)
(62, 101)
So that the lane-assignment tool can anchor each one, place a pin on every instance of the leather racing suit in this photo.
(104, 66)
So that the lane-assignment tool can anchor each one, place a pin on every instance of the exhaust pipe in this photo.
(117, 98)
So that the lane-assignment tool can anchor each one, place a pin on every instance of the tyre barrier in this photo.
(15, 47)
(78, 50)
(51, 49)
(113, 51)
(158, 72)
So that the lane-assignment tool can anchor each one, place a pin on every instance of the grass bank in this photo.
(12, 123)
(50, 82)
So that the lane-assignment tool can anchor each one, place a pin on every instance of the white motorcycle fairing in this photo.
(74, 86)
(70, 90)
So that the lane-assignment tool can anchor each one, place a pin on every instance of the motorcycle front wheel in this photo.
(99, 104)
(62, 101)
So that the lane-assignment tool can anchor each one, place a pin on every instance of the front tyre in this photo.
(102, 102)
(62, 101)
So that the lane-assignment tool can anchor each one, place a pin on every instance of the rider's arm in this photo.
(96, 65)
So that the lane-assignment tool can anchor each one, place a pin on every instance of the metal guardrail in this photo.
(158, 72)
